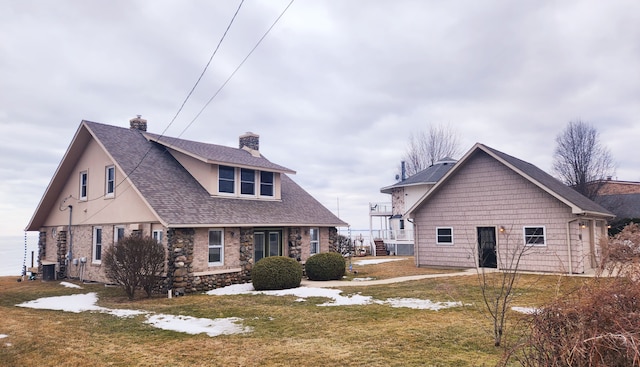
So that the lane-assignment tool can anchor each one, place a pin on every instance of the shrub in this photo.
(276, 272)
(325, 266)
(135, 262)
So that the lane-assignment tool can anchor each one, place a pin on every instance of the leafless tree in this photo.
(581, 160)
(427, 147)
(498, 287)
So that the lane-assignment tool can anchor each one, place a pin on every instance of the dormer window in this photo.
(226, 179)
(247, 181)
(266, 183)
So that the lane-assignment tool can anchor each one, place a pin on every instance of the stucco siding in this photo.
(485, 193)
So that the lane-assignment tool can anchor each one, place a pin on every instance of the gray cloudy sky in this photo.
(334, 90)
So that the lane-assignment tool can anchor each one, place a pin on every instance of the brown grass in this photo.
(285, 333)
(405, 266)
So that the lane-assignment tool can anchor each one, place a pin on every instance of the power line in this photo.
(215, 51)
(204, 70)
(237, 68)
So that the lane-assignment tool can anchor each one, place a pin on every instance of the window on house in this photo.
(444, 235)
(247, 181)
(157, 235)
(83, 185)
(226, 179)
(110, 178)
(266, 183)
(97, 244)
(216, 248)
(314, 236)
(534, 236)
(401, 223)
(118, 233)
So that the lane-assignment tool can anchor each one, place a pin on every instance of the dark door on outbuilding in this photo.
(487, 257)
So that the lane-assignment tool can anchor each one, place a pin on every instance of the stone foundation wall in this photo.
(182, 278)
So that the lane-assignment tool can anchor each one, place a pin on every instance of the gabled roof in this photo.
(428, 176)
(579, 204)
(622, 205)
(217, 154)
(176, 197)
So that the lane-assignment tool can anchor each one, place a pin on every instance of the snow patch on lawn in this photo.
(186, 324)
(70, 285)
(374, 261)
(335, 296)
(3, 336)
(525, 310)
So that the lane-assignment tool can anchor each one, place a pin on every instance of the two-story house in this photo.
(216, 209)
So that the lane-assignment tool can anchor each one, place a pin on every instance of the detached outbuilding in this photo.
(492, 209)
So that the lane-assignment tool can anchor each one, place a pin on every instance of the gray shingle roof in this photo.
(218, 153)
(429, 175)
(179, 200)
(578, 202)
(622, 205)
(551, 183)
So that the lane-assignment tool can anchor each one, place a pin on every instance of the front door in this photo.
(487, 257)
(267, 242)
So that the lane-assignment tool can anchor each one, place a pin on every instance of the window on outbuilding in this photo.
(444, 235)
(534, 236)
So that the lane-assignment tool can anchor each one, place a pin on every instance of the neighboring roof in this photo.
(177, 199)
(579, 204)
(622, 205)
(429, 175)
(217, 154)
(614, 187)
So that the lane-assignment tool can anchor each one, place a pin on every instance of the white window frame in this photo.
(253, 182)
(98, 244)
(219, 246)
(115, 233)
(526, 240)
(314, 244)
(438, 236)
(84, 185)
(271, 184)
(109, 184)
(227, 180)
(157, 235)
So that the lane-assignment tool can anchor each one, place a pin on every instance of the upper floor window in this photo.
(247, 181)
(534, 236)
(226, 179)
(266, 183)
(314, 236)
(444, 235)
(216, 247)
(110, 178)
(83, 185)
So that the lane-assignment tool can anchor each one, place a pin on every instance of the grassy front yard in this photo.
(286, 332)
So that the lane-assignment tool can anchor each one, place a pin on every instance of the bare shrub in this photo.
(599, 324)
(621, 253)
(135, 262)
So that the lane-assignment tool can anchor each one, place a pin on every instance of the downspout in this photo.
(569, 244)
(416, 253)
(70, 252)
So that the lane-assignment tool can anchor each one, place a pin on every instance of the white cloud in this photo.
(338, 84)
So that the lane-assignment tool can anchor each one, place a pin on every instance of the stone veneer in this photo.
(182, 279)
(295, 243)
(333, 239)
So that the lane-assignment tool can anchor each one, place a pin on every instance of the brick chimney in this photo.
(250, 140)
(138, 123)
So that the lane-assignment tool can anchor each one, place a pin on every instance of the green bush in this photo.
(325, 266)
(276, 272)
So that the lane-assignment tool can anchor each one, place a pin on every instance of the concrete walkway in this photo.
(360, 283)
